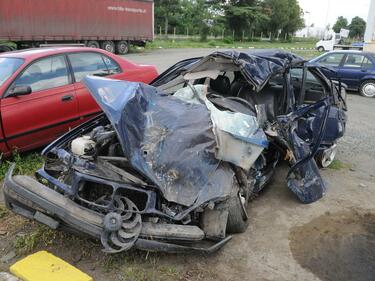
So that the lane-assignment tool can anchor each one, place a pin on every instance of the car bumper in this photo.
(29, 198)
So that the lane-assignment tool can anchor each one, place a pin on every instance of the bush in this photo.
(212, 43)
(228, 40)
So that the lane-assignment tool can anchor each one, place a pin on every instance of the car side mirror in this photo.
(19, 91)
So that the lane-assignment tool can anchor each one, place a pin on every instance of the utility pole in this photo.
(327, 18)
(308, 24)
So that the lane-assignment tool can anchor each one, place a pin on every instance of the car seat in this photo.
(269, 96)
(221, 85)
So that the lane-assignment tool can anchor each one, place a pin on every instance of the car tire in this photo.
(237, 218)
(108, 46)
(122, 47)
(93, 44)
(367, 89)
(5, 49)
(320, 49)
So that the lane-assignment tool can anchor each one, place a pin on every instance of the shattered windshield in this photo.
(7, 67)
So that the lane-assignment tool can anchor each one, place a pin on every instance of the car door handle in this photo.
(67, 98)
(364, 70)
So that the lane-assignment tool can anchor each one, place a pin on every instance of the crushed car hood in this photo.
(169, 141)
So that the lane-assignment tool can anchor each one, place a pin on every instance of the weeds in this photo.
(338, 165)
(302, 48)
(25, 164)
(136, 265)
(3, 212)
(227, 43)
(42, 235)
(148, 271)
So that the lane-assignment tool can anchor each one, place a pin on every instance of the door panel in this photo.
(91, 63)
(333, 61)
(87, 106)
(353, 70)
(33, 120)
(50, 110)
(3, 146)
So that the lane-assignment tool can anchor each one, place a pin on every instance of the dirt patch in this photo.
(337, 246)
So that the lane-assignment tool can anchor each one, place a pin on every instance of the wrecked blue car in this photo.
(171, 166)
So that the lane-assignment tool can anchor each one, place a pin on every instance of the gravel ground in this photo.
(358, 145)
(332, 239)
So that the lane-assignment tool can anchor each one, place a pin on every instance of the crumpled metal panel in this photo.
(303, 178)
(256, 66)
(238, 136)
(169, 141)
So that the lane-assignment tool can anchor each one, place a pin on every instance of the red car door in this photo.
(95, 63)
(83, 64)
(3, 146)
(50, 110)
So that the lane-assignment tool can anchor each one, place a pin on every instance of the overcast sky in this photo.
(319, 9)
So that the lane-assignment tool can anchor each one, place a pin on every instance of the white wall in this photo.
(370, 29)
(316, 32)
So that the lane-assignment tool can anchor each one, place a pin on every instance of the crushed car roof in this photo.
(257, 66)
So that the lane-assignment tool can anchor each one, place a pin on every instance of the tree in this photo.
(357, 27)
(243, 15)
(341, 22)
(295, 18)
(166, 11)
(285, 16)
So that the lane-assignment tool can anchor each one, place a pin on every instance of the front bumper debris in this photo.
(29, 198)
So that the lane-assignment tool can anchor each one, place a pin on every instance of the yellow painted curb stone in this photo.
(43, 266)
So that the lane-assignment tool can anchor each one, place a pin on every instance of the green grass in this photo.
(304, 48)
(338, 165)
(11, 44)
(140, 273)
(25, 164)
(3, 212)
(41, 236)
(225, 44)
(140, 266)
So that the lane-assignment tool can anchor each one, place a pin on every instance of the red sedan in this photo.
(42, 95)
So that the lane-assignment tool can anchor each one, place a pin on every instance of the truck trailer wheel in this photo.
(109, 46)
(93, 44)
(122, 47)
(4, 48)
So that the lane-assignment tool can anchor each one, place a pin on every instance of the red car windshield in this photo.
(7, 67)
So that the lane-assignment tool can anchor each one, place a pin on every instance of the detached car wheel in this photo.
(367, 89)
(237, 217)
